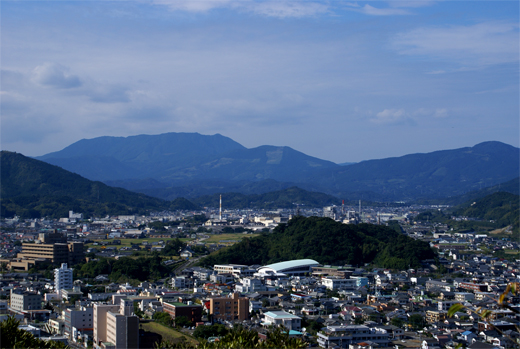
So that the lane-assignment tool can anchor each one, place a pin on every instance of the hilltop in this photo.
(327, 242)
(33, 188)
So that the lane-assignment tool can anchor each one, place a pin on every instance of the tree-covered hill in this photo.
(494, 211)
(286, 198)
(501, 207)
(327, 242)
(33, 188)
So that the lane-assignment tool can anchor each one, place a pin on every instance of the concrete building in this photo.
(115, 326)
(282, 318)
(82, 320)
(229, 308)
(22, 301)
(343, 336)
(62, 278)
(334, 283)
(71, 253)
(192, 311)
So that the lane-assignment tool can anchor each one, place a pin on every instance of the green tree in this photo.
(13, 337)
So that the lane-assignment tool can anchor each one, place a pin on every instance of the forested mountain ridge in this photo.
(327, 242)
(188, 164)
(33, 188)
(286, 198)
(178, 157)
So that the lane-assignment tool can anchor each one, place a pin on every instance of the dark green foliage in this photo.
(182, 321)
(173, 247)
(501, 207)
(240, 337)
(12, 337)
(215, 330)
(163, 318)
(328, 242)
(417, 321)
(32, 189)
(286, 198)
(493, 211)
(142, 268)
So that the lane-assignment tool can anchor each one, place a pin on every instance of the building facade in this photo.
(229, 308)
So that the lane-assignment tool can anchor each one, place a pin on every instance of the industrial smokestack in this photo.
(220, 209)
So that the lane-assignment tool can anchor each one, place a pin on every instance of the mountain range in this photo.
(191, 165)
(32, 189)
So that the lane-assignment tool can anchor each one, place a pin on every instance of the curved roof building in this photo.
(297, 267)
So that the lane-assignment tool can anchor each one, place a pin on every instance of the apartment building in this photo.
(81, 319)
(176, 309)
(23, 300)
(71, 253)
(343, 336)
(62, 278)
(115, 326)
(335, 283)
(229, 308)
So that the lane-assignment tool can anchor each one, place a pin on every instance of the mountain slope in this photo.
(43, 189)
(181, 157)
(286, 198)
(436, 174)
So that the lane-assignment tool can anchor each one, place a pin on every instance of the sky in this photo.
(343, 81)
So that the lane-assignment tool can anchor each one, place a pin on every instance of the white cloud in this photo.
(374, 11)
(472, 46)
(279, 9)
(390, 116)
(55, 75)
(440, 113)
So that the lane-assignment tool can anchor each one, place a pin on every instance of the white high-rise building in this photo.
(62, 278)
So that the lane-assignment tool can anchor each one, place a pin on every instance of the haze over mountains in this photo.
(168, 165)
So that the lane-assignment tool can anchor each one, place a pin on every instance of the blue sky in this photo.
(342, 81)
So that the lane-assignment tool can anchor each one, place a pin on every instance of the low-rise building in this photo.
(343, 336)
(282, 318)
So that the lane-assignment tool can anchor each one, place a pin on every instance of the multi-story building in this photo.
(445, 305)
(464, 296)
(71, 253)
(234, 269)
(82, 320)
(229, 308)
(176, 309)
(182, 282)
(334, 283)
(62, 278)
(23, 300)
(343, 336)
(250, 285)
(435, 316)
(283, 318)
(115, 326)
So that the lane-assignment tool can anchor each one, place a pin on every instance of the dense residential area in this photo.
(145, 281)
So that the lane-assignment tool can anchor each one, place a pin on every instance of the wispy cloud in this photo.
(391, 116)
(471, 46)
(279, 9)
(374, 11)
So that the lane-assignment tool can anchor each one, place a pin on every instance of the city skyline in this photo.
(342, 81)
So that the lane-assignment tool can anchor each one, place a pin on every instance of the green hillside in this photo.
(286, 198)
(32, 188)
(327, 242)
(494, 211)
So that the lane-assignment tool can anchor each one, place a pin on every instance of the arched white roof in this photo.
(288, 265)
